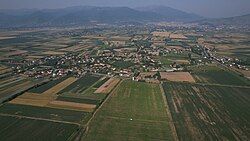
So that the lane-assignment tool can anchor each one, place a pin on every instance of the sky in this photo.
(206, 8)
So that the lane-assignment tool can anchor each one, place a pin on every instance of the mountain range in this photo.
(82, 15)
(86, 14)
(239, 21)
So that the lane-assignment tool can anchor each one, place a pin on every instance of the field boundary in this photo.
(171, 122)
(41, 119)
(94, 114)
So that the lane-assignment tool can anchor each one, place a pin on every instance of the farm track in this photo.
(221, 85)
(141, 120)
(103, 103)
(171, 121)
(42, 119)
(94, 114)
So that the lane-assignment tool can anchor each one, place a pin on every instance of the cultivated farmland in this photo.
(209, 112)
(47, 86)
(135, 111)
(81, 85)
(215, 75)
(10, 86)
(177, 76)
(13, 129)
(43, 112)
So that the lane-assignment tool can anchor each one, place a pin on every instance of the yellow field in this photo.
(53, 53)
(34, 57)
(161, 34)
(177, 36)
(76, 48)
(44, 98)
(72, 106)
(16, 52)
(47, 99)
(4, 38)
(54, 90)
(4, 69)
(181, 61)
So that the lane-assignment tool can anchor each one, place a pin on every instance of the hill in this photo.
(171, 14)
(86, 14)
(239, 21)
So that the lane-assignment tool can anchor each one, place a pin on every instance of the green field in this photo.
(13, 85)
(81, 84)
(47, 86)
(123, 64)
(83, 89)
(209, 112)
(135, 111)
(21, 129)
(43, 112)
(166, 61)
(216, 75)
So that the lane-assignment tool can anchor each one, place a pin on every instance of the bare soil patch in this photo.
(177, 36)
(108, 86)
(177, 76)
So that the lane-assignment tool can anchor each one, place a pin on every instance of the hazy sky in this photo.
(207, 8)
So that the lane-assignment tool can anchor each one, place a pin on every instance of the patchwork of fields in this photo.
(16, 128)
(135, 111)
(209, 112)
(11, 85)
(48, 112)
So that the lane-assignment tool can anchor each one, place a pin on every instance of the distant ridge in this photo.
(85, 14)
(171, 14)
(240, 21)
(82, 15)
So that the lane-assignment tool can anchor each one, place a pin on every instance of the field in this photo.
(134, 111)
(13, 129)
(215, 75)
(72, 106)
(108, 86)
(81, 85)
(82, 90)
(43, 112)
(15, 84)
(79, 100)
(177, 76)
(67, 94)
(122, 64)
(47, 86)
(101, 82)
(209, 112)
(53, 53)
(177, 36)
(57, 88)
(48, 108)
(161, 34)
(45, 98)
